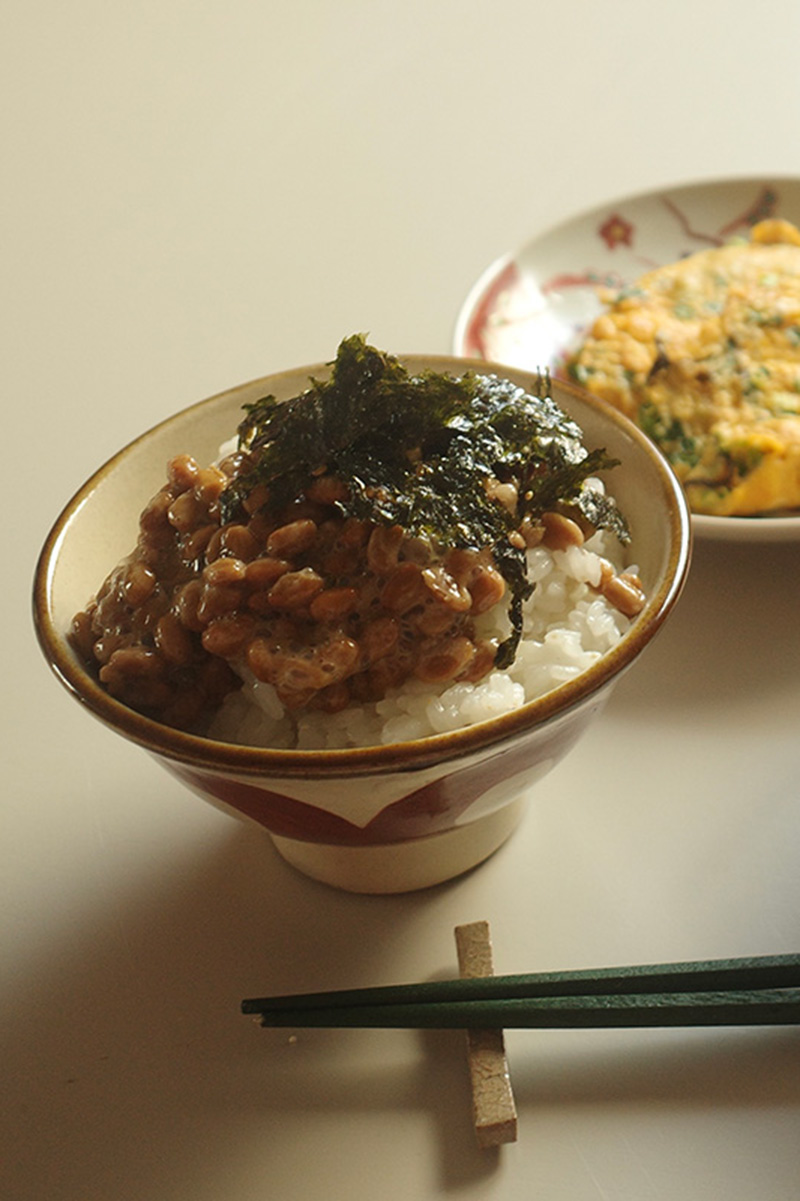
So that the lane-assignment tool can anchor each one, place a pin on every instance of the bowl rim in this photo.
(208, 754)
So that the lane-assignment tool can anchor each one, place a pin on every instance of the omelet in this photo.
(704, 355)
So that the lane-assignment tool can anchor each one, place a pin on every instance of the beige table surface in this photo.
(197, 193)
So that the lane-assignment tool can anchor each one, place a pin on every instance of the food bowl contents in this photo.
(382, 557)
(704, 354)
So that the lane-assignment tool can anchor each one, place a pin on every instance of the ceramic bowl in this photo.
(381, 819)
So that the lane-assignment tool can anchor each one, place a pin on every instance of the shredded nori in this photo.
(418, 450)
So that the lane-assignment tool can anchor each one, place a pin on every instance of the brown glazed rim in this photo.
(207, 754)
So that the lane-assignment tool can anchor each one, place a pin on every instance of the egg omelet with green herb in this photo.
(704, 355)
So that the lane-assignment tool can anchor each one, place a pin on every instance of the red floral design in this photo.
(616, 231)
(495, 311)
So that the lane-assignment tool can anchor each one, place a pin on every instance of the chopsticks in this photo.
(764, 990)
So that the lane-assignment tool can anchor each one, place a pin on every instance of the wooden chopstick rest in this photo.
(494, 1112)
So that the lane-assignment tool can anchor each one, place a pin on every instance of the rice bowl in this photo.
(393, 816)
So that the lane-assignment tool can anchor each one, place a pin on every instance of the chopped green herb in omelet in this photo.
(704, 354)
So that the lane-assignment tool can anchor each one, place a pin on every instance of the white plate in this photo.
(530, 308)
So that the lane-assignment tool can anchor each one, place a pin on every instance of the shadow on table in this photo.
(128, 1069)
(691, 1068)
(131, 1074)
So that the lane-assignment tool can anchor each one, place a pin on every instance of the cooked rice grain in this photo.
(568, 626)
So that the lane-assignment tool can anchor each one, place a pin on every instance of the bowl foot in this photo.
(403, 866)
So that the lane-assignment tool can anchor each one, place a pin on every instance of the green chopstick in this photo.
(760, 1007)
(723, 976)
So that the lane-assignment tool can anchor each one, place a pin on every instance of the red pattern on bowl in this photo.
(457, 793)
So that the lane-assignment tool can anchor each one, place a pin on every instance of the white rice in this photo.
(567, 627)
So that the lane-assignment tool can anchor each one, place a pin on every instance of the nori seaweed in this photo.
(417, 451)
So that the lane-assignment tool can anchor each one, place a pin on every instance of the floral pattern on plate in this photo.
(531, 308)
